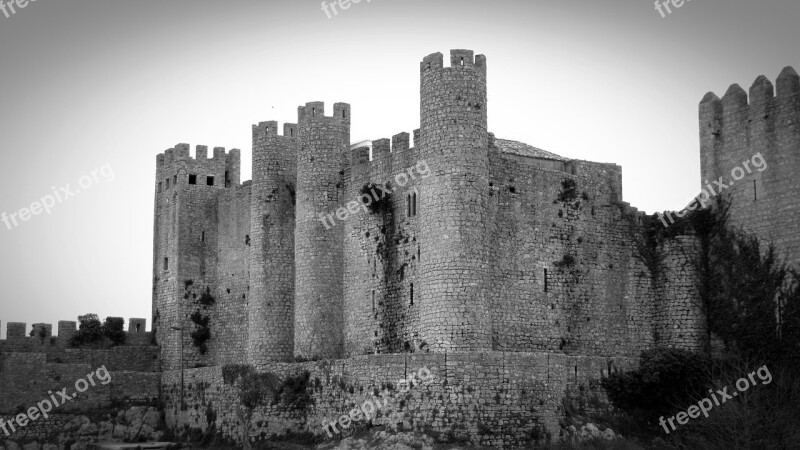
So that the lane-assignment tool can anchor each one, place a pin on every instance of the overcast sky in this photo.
(106, 85)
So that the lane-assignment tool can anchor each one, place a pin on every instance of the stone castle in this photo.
(516, 276)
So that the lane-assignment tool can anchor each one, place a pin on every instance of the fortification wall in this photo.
(26, 377)
(732, 130)
(381, 258)
(521, 395)
(270, 309)
(564, 273)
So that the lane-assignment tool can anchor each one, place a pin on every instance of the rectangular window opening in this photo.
(160, 185)
(755, 191)
(203, 237)
(167, 183)
(227, 179)
(210, 181)
(192, 179)
(175, 180)
(373, 300)
(412, 294)
(545, 280)
(166, 263)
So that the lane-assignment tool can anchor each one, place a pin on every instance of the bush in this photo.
(113, 329)
(667, 380)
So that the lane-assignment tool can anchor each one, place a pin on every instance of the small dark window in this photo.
(408, 205)
(414, 204)
(291, 132)
(545, 280)
(313, 111)
(192, 179)
(343, 115)
(167, 183)
(203, 237)
(210, 181)
(160, 185)
(412, 294)
(175, 180)
(755, 191)
(166, 263)
(373, 300)
(227, 179)
(138, 327)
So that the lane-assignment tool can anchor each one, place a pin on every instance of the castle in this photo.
(504, 249)
(515, 276)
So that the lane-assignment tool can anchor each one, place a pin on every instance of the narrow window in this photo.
(192, 179)
(343, 116)
(291, 132)
(408, 205)
(414, 204)
(167, 183)
(462, 61)
(412, 294)
(227, 179)
(166, 263)
(210, 181)
(160, 185)
(138, 327)
(313, 111)
(175, 180)
(203, 237)
(755, 191)
(545, 280)
(373, 300)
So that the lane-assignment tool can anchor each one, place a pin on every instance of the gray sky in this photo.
(91, 84)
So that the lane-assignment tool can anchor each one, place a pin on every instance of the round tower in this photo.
(321, 163)
(453, 260)
(270, 309)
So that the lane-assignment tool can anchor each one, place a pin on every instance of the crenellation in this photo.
(788, 82)
(761, 92)
(734, 101)
(16, 330)
(400, 142)
(201, 152)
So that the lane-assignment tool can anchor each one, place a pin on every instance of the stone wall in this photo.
(496, 399)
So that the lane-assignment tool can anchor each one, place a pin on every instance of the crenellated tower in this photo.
(736, 128)
(322, 161)
(185, 248)
(453, 262)
(270, 310)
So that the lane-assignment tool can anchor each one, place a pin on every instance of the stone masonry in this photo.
(500, 249)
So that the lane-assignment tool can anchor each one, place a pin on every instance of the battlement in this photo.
(762, 92)
(270, 128)
(181, 153)
(315, 111)
(66, 329)
(460, 59)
